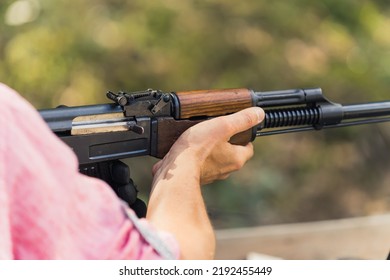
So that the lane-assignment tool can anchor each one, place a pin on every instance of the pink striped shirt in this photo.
(50, 211)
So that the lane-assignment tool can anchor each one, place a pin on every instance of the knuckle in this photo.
(248, 119)
(250, 150)
(244, 120)
(239, 162)
(242, 156)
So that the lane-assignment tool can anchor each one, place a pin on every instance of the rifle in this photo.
(149, 122)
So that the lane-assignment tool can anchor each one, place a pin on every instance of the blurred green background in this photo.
(71, 52)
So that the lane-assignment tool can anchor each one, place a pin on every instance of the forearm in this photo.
(201, 155)
(176, 205)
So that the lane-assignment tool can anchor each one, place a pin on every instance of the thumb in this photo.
(244, 119)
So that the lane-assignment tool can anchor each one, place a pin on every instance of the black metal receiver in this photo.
(149, 122)
(106, 132)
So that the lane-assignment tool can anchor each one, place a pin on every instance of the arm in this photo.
(201, 155)
(48, 210)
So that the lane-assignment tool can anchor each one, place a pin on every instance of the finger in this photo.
(232, 159)
(224, 127)
(229, 125)
(156, 167)
(246, 152)
(240, 155)
(244, 120)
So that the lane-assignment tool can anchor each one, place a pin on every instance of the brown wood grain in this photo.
(212, 103)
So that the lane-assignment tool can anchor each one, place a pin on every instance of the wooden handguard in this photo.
(197, 106)
(213, 103)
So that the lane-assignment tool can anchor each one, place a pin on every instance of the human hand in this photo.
(207, 145)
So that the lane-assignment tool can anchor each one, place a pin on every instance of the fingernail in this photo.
(260, 114)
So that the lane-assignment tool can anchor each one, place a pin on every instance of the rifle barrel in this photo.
(366, 110)
(299, 119)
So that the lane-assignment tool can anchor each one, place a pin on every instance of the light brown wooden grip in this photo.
(213, 103)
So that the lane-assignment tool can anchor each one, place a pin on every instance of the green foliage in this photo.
(57, 52)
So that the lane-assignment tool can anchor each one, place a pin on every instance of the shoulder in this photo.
(11, 101)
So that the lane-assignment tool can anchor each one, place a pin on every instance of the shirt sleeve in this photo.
(48, 210)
